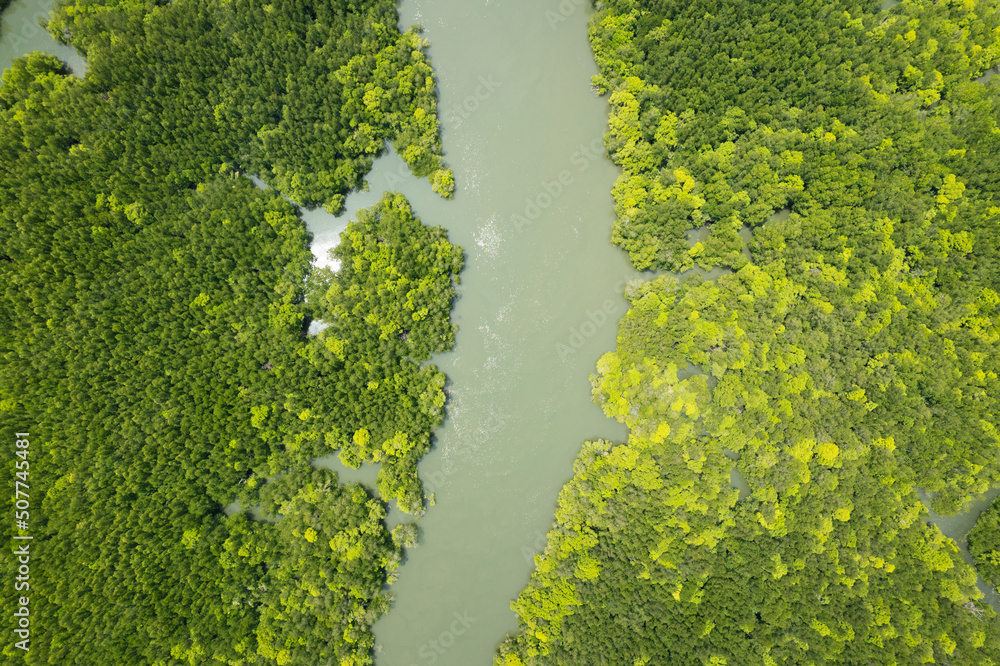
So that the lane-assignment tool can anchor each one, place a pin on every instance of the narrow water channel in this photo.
(957, 527)
(20, 33)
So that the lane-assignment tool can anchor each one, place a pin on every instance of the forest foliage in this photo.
(154, 325)
(847, 359)
(984, 544)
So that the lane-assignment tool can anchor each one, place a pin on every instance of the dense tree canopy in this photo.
(984, 544)
(848, 359)
(153, 327)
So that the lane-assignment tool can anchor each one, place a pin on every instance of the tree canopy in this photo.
(984, 544)
(154, 316)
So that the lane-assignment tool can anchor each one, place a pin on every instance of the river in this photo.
(539, 302)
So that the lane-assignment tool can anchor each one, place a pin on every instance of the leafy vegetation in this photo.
(305, 95)
(154, 315)
(847, 360)
(984, 544)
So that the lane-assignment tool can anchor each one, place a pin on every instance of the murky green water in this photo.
(20, 33)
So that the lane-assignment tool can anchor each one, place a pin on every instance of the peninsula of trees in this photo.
(154, 318)
(848, 359)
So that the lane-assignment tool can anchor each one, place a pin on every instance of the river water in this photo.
(20, 33)
(539, 302)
